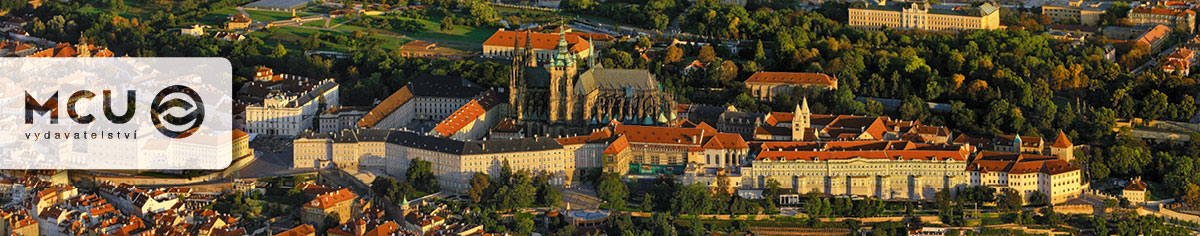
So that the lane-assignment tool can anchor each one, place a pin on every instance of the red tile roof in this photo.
(1062, 141)
(327, 200)
(301, 230)
(838, 150)
(617, 146)
(1163, 11)
(385, 108)
(598, 135)
(1019, 163)
(1136, 185)
(542, 41)
(460, 118)
(1159, 32)
(792, 78)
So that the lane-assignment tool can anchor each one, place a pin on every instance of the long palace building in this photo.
(881, 169)
(924, 16)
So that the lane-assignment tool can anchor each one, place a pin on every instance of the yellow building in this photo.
(766, 85)
(1076, 11)
(453, 161)
(923, 16)
(341, 202)
(1027, 173)
(673, 150)
(1183, 18)
(881, 169)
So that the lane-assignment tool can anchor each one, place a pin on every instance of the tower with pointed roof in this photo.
(1016, 144)
(1062, 147)
(562, 73)
(516, 82)
(559, 96)
(801, 120)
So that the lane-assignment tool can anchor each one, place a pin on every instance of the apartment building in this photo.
(1172, 18)
(1076, 11)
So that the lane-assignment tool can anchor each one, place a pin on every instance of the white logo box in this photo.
(104, 144)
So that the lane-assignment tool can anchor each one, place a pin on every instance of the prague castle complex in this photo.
(560, 98)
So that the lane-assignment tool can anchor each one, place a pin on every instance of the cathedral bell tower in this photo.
(562, 81)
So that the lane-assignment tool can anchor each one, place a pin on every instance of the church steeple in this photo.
(801, 120)
(530, 52)
(564, 57)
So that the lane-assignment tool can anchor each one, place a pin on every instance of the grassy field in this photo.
(432, 30)
(291, 36)
(460, 33)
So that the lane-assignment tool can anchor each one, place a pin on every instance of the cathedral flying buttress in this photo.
(559, 99)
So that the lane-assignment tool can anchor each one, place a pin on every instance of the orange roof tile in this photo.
(542, 41)
(1019, 163)
(301, 230)
(1159, 32)
(792, 78)
(1062, 141)
(460, 118)
(327, 200)
(617, 146)
(385, 108)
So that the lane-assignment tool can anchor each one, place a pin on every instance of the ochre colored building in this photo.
(923, 16)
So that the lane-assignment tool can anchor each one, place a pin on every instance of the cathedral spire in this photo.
(530, 52)
(591, 52)
(564, 57)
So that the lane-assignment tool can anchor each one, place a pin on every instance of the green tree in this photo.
(447, 23)
(420, 174)
(691, 199)
(524, 224)
(613, 191)
(480, 184)
(759, 53)
(1154, 105)
(1191, 195)
(279, 51)
(312, 42)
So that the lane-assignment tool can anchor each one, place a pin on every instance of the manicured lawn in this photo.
(291, 36)
(467, 34)
(433, 31)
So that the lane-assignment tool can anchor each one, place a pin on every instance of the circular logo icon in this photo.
(195, 109)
